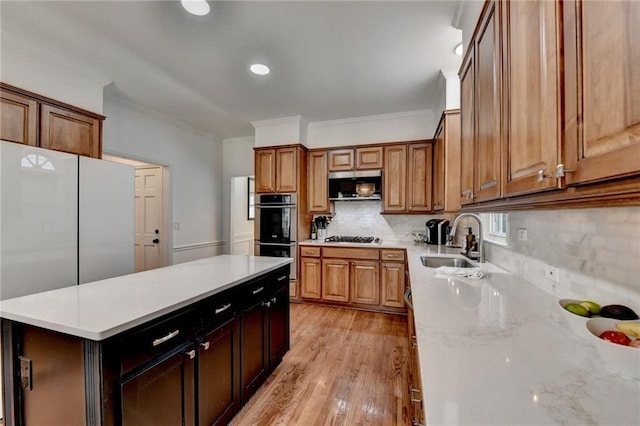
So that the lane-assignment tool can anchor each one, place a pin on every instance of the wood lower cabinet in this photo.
(218, 371)
(335, 280)
(310, 278)
(415, 379)
(602, 90)
(364, 282)
(393, 284)
(35, 120)
(162, 393)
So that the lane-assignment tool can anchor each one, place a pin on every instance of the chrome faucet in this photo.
(452, 234)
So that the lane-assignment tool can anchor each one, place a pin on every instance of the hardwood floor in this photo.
(345, 367)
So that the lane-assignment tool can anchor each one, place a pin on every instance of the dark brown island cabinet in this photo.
(195, 366)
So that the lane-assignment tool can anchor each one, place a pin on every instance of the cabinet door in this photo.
(467, 127)
(393, 284)
(419, 182)
(318, 182)
(278, 327)
(68, 131)
(602, 89)
(219, 375)
(254, 349)
(335, 280)
(369, 158)
(415, 380)
(365, 282)
(438, 167)
(286, 169)
(265, 170)
(18, 118)
(341, 159)
(531, 95)
(161, 394)
(395, 178)
(487, 107)
(310, 278)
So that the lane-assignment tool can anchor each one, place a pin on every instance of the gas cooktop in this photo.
(349, 239)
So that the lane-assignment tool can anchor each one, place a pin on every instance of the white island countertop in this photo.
(102, 309)
(497, 351)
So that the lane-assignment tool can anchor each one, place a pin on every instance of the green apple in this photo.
(578, 309)
(592, 307)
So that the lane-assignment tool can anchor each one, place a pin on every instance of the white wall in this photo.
(238, 162)
(195, 166)
(280, 131)
(241, 239)
(403, 126)
(28, 67)
(467, 19)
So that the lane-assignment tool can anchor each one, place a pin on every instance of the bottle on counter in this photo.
(469, 242)
(314, 231)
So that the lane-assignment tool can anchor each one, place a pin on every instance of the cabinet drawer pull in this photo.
(191, 354)
(205, 345)
(266, 304)
(393, 255)
(281, 278)
(222, 308)
(309, 252)
(257, 290)
(274, 300)
(166, 338)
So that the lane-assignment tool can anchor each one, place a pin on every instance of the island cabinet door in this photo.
(219, 374)
(160, 392)
(278, 326)
(254, 348)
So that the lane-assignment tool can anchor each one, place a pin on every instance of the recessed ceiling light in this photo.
(196, 7)
(458, 50)
(259, 69)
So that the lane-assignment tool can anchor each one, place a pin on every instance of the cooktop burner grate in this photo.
(350, 239)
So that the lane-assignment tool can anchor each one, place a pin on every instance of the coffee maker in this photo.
(437, 231)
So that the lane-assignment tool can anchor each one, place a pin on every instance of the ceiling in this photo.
(329, 60)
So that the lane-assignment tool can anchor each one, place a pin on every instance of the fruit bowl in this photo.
(576, 322)
(617, 358)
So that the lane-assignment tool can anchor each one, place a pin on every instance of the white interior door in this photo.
(241, 227)
(148, 224)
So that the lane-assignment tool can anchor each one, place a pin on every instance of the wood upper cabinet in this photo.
(318, 182)
(446, 163)
(467, 127)
(601, 90)
(35, 120)
(341, 159)
(68, 131)
(365, 282)
(531, 91)
(365, 158)
(18, 118)
(276, 169)
(369, 158)
(488, 79)
(394, 178)
(419, 177)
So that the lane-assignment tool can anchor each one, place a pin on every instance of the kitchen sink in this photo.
(435, 262)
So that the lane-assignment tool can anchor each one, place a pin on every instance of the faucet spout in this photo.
(452, 233)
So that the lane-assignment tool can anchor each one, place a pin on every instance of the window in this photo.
(496, 227)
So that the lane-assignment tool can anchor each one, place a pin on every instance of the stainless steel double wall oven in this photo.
(276, 220)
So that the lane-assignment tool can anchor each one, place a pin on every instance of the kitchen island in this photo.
(185, 344)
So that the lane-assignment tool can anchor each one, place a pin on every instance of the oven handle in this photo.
(276, 244)
(275, 206)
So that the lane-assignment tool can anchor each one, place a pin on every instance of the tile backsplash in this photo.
(597, 250)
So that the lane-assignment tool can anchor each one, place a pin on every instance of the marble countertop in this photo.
(497, 351)
(102, 309)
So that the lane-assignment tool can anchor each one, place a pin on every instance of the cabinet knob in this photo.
(205, 345)
(191, 354)
(542, 176)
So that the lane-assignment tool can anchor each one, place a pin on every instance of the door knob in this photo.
(156, 241)
(157, 231)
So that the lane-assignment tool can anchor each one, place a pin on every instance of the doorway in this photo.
(153, 237)
(241, 237)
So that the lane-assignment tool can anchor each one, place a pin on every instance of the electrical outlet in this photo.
(552, 273)
(522, 234)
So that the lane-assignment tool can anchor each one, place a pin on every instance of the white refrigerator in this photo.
(64, 220)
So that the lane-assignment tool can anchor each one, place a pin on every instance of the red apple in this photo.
(616, 337)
